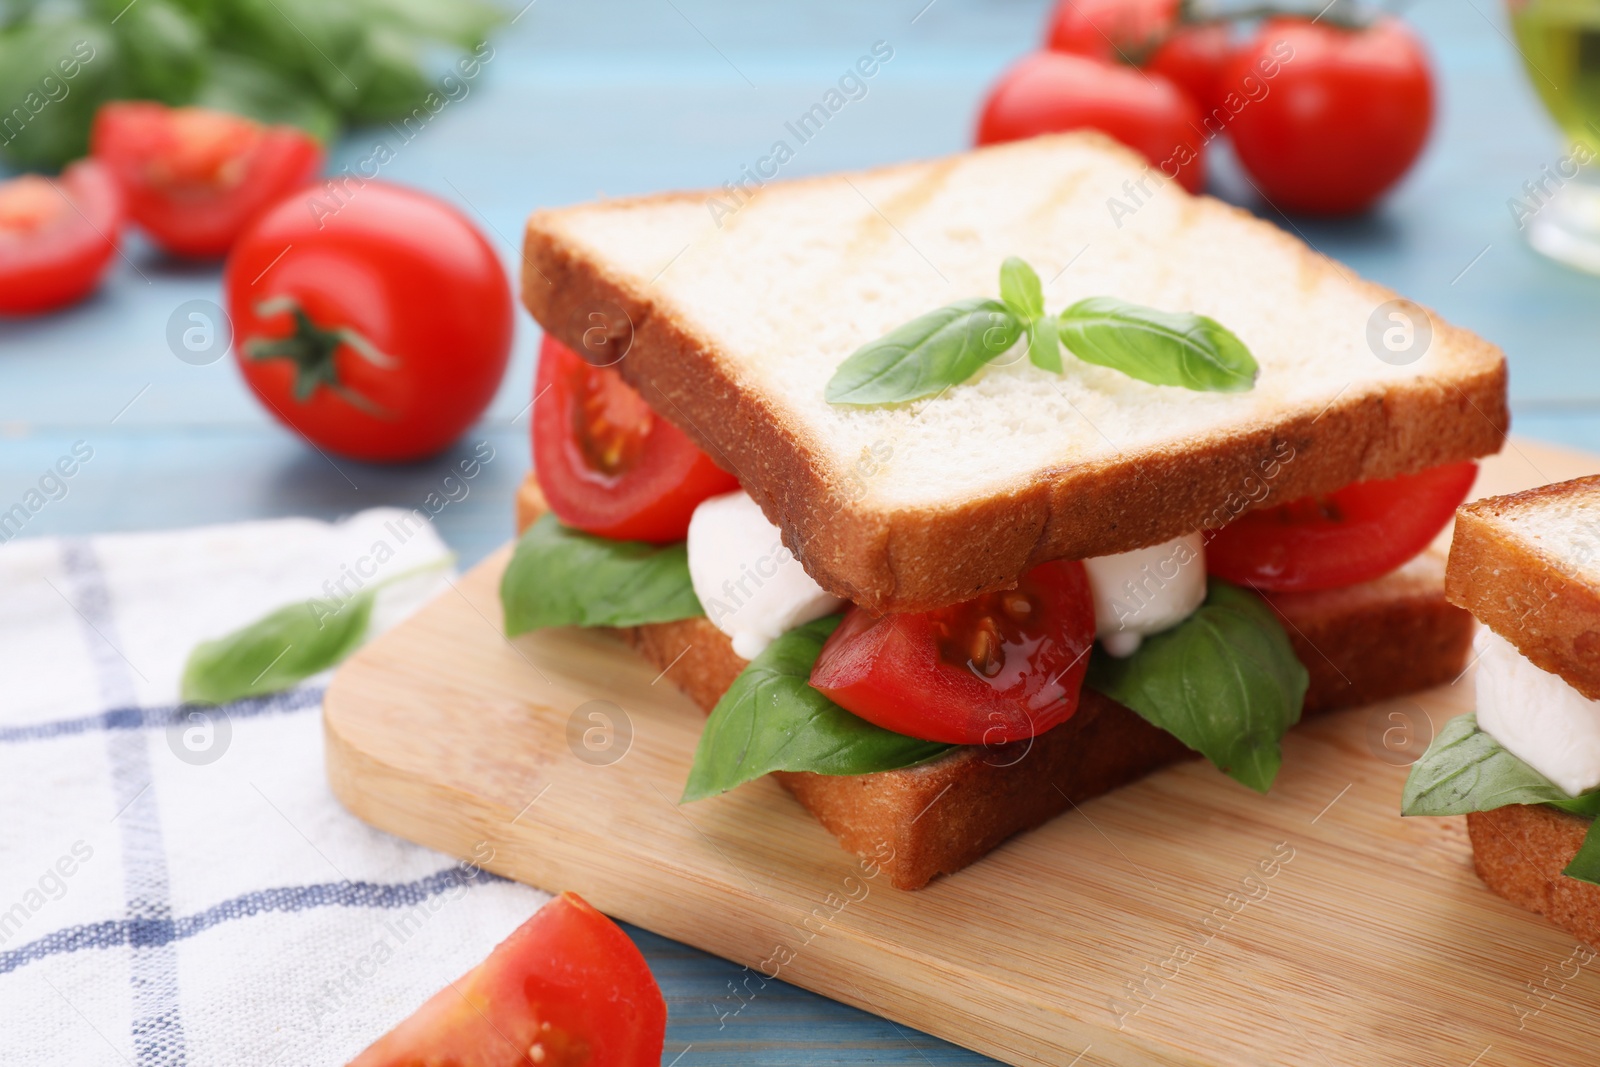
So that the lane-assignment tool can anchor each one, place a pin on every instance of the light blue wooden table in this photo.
(620, 97)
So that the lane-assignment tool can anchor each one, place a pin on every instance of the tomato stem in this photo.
(312, 349)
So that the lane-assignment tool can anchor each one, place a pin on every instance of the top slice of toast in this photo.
(1528, 566)
(735, 308)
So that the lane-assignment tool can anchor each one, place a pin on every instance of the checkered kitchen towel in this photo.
(173, 892)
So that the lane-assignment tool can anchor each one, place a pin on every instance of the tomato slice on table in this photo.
(1002, 667)
(1358, 533)
(566, 989)
(1052, 92)
(607, 463)
(195, 178)
(56, 237)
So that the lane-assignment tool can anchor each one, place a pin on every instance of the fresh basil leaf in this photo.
(1587, 805)
(1021, 289)
(1044, 344)
(927, 355)
(1466, 770)
(278, 651)
(561, 577)
(771, 719)
(1225, 682)
(1585, 865)
(1160, 347)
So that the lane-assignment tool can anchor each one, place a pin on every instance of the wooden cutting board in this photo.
(1180, 920)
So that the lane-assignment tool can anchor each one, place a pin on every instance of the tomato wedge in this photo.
(566, 989)
(1002, 667)
(56, 237)
(1358, 533)
(607, 463)
(195, 178)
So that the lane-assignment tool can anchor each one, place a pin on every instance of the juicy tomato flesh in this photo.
(57, 237)
(566, 989)
(1356, 534)
(607, 463)
(195, 178)
(1052, 92)
(1002, 667)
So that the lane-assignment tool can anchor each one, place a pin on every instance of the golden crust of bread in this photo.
(1529, 597)
(1520, 851)
(1381, 639)
(916, 558)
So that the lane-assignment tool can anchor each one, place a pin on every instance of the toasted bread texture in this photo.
(1369, 642)
(732, 324)
(1520, 851)
(1528, 566)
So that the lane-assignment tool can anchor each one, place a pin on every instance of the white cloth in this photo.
(158, 909)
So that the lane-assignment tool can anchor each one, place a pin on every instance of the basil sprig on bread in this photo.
(946, 347)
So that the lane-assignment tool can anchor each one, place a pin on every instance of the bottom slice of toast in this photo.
(1520, 851)
(1364, 643)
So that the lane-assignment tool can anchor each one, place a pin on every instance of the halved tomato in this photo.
(194, 177)
(56, 237)
(607, 463)
(566, 989)
(1002, 667)
(1358, 533)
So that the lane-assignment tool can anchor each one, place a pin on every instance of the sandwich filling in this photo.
(1537, 716)
(1534, 739)
(645, 528)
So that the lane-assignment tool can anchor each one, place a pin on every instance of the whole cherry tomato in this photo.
(1003, 667)
(1358, 533)
(194, 178)
(1342, 120)
(566, 989)
(1050, 92)
(607, 463)
(1147, 34)
(379, 331)
(56, 237)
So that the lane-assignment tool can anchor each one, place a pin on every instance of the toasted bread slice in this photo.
(1528, 566)
(1364, 643)
(733, 322)
(1520, 851)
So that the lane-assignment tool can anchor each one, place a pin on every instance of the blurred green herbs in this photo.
(318, 64)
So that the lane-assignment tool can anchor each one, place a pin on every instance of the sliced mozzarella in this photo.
(752, 587)
(1539, 718)
(1146, 591)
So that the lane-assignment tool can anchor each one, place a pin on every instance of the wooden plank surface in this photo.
(1181, 920)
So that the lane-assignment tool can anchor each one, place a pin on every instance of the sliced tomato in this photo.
(566, 989)
(195, 178)
(1003, 667)
(607, 463)
(1358, 533)
(56, 237)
